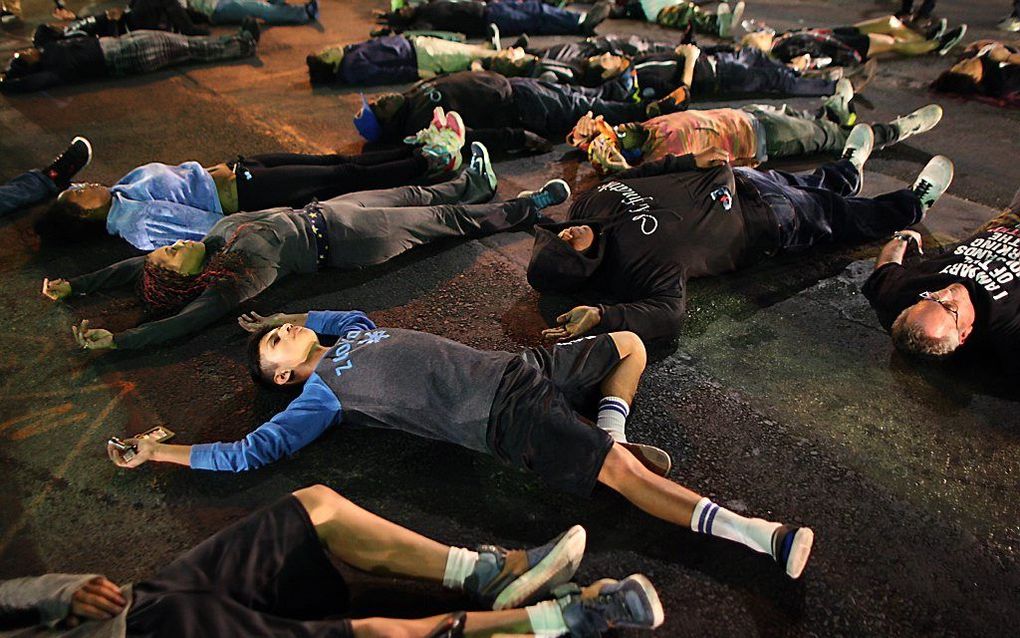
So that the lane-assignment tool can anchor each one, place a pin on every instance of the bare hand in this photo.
(689, 52)
(586, 128)
(116, 13)
(63, 13)
(92, 338)
(253, 321)
(913, 234)
(98, 599)
(711, 157)
(145, 448)
(56, 289)
(605, 156)
(576, 322)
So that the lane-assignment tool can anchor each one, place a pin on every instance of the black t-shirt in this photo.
(999, 80)
(988, 264)
(74, 59)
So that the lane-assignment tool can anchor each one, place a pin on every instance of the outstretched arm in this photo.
(304, 420)
(335, 323)
(894, 251)
(113, 276)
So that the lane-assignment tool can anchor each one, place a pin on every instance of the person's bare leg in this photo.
(623, 380)
(477, 624)
(654, 494)
(879, 43)
(371, 543)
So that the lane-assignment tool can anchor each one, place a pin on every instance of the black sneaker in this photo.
(509, 579)
(481, 164)
(791, 548)
(631, 603)
(596, 16)
(75, 157)
(250, 26)
(951, 38)
(522, 41)
(555, 191)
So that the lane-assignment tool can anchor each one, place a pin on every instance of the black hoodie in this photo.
(655, 226)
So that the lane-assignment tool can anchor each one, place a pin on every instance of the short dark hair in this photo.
(958, 83)
(68, 222)
(320, 72)
(254, 359)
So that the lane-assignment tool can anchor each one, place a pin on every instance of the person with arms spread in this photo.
(631, 243)
(526, 409)
(190, 284)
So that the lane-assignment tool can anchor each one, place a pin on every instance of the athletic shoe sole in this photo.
(655, 459)
(556, 568)
(88, 145)
(800, 551)
(479, 149)
(658, 614)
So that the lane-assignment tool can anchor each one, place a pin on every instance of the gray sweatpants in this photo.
(370, 227)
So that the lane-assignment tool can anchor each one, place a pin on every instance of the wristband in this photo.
(904, 237)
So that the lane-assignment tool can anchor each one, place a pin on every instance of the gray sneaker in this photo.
(726, 18)
(481, 164)
(839, 103)
(1010, 23)
(555, 191)
(920, 121)
(933, 181)
(506, 579)
(631, 603)
(858, 148)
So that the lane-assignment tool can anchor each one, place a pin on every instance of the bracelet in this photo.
(903, 237)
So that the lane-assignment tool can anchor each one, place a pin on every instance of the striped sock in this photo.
(755, 533)
(460, 563)
(613, 413)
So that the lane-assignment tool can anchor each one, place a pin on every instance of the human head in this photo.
(386, 106)
(324, 66)
(935, 327)
(173, 276)
(631, 136)
(92, 199)
(761, 40)
(512, 62)
(606, 66)
(23, 62)
(963, 78)
(580, 238)
(67, 221)
(281, 356)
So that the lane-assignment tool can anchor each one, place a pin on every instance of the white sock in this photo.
(546, 619)
(613, 413)
(713, 520)
(460, 563)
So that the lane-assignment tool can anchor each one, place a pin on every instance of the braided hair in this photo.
(164, 291)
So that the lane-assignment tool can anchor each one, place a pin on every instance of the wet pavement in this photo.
(783, 397)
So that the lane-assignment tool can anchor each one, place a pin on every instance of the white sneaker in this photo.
(922, 120)
(1009, 23)
(933, 181)
(858, 148)
(482, 165)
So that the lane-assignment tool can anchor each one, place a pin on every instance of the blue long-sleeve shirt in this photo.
(313, 412)
(155, 205)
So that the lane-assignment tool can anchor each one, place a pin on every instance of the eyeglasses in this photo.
(950, 306)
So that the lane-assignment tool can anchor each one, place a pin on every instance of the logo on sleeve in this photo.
(723, 196)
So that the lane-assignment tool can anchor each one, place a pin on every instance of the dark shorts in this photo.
(265, 575)
(536, 421)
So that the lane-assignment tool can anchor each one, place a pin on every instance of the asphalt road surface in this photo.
(782, 399)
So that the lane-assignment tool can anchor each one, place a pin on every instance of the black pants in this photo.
(751, 72)
(552, 110)
(907, 8)
(265, 575)
(288, 179)
(819, 207)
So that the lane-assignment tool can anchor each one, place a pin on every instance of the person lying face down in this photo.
(272, 573)
(526, 409)
(988, 69)
(630, 244)
(189, 284)
(967, 299)
(156, 204)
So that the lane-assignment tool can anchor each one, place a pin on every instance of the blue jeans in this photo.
(819, 207)
(532, 17)
(234, 11)
(24, 190)
(750, 71)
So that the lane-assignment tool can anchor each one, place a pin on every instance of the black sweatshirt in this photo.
(450, 15)
(656, 225)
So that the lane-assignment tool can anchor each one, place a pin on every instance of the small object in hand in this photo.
(158, 434)
(127, 451)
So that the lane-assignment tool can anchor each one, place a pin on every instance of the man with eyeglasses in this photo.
(968, 296)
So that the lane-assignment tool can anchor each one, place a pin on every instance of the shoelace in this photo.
(542, 198)
(923, 188)
(611, 606)
(477, 164)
